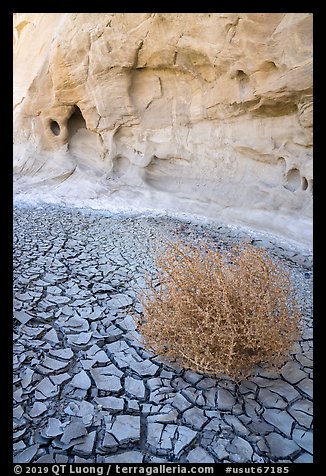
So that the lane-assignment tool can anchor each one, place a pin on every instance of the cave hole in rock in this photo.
(304, 183)
(76, 122)
(293, 180)
(55, 128)
(281, 162)
(243, 78)
(244, 83)
(241, 75)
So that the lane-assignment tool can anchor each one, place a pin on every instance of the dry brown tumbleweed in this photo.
(220, 311)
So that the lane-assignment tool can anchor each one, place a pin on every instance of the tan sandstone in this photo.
(209, 114)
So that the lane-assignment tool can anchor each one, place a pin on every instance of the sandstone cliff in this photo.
(203, 113)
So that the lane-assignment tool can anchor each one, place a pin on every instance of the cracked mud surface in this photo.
(85, 390)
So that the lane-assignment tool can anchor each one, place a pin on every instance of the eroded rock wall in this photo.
(203, 113)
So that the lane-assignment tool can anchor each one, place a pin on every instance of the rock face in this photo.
(203, 113)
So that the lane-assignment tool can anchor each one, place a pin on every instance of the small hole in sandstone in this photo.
(281, 165)
(293, 180)
(76, 122)
(304, 183)
(281, 162)
(55, 128)
(241, 75)
(268, 67)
